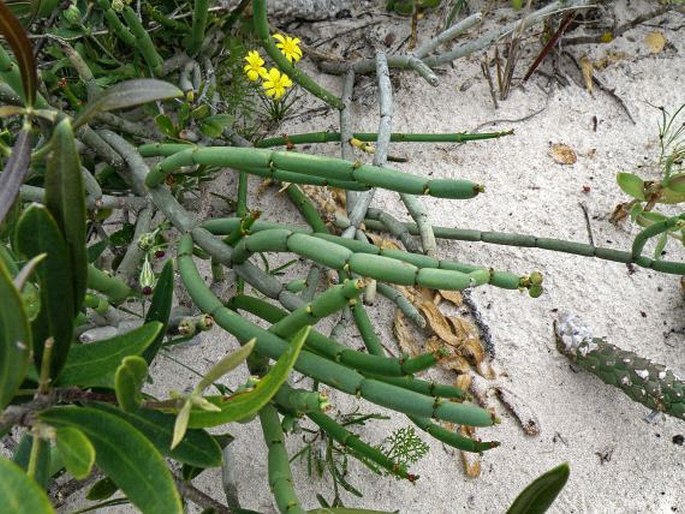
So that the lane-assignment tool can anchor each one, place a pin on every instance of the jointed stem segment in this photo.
(311, 169)
(318, 368)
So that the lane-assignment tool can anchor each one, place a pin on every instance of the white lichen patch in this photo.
(571, 331)
(642, 373)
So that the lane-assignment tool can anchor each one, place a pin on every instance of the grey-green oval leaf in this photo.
(96, 363)
(128, 94)
(15, 339)
(76, 451)
(19, 494)
(677, 183)
(541, 493)
(632, 185)
(124, 455)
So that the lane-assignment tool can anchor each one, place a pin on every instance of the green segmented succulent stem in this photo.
(319, 368)
(365, 327)
(336, 252)
(336, 256)
(332, 300)
(522, 240)
(143, 42)
(116, 290)
(200, 12)
(353, 442)
(644, 381)
(311, 169)
(300, 401)
(395, 137)
(121, 31)
(653, 230)
(451, 438)
(280, 477)
(334, 351)
(306, 208)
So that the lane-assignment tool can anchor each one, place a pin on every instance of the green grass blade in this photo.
(125, 455)
(15, 339)
(541, 493)
(19, 494)
(198, 448)
(244, 405)
(38, 233)
(21, 46)
(96, 363)
(128, 94)
(76, 451)
(65, 199)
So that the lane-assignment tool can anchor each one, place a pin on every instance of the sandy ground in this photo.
(619, 462)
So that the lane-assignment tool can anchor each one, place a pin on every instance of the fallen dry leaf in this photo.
(454, 297)
(438, 323)
(655, 41)
(406, 339)
(562, 154)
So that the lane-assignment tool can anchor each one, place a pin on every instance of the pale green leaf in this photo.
(246, 404)
(632, 185)
(128, 382)
(76, 451)
(228, 363)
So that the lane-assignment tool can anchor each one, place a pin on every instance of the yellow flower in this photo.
(289, 46)
(255, 66)
(275, 83)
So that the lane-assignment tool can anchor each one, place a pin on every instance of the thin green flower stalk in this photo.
(284, 65)
(363, 450)
(280, 477)
(305, 168)
(197, 35)
(318, 368)
(545, 243)
(645, 382)
(395, 137)
(332, 350)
